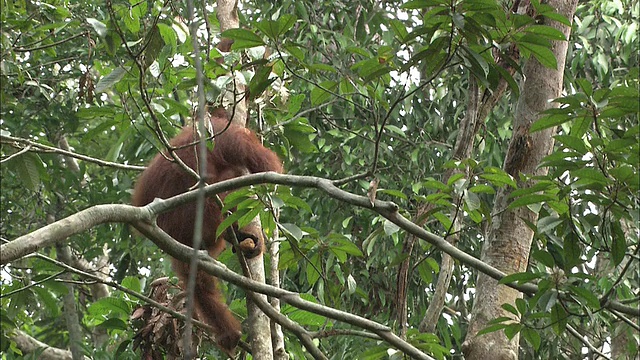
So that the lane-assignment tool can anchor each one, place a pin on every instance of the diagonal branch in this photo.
(102, 214)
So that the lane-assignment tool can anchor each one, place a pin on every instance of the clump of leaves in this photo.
(159, 334)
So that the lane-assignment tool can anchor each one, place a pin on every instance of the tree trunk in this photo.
(259, 323)
(277, 336)
(69, 307)
(28, 345)
(235, 98)
(509, 239)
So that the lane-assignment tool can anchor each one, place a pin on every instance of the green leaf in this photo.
(395, 193)
(590, 175)
(541, 53)
(532, 337)
(433, 264)
(522, 306)
(491, 328)
(274, 28)
(472, 201)
(347, 246)
(548, 32)
(482, 189)
(581, 125)
(131, 20)
(249, 217)
(455, 177)
(295, 103)
(545, 258)
(623, 173)
(230, 220)
(242, 38)
(548, 121)
(299, 136)
(399, 29)
(322, 93)
(619, 145)
(512, 330)
(559, 318)
(618, 244)
(435, 185)
(421, 4)
(132, 283)
(260, 81)
(293, 230)
(114, 324)
(478, 64)
(168, 35)
(557, 17)
(510, 308)
(390, 228)
(99, 27)
(312, 270)
(295, 51)
(108, 305)
(587, 295)
(46, 298)
(114, 151)
(531, 199)
(425, 272)
(548, 223)
(111, 79)
(520, 278)
(112, 42)
(572, 142)
(443, 219)
(500, 179)
(322, 67)
(572, 251)
(28, 167)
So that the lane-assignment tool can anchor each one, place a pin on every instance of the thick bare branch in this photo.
(28, 344)
(100, 214)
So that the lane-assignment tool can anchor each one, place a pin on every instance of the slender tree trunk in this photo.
(462, 150)
(101, 269)
(509, 238)
(64, 254)
(478, 107)
(28, 345)
(623, 341)
(277, 336)
(70, 309)
(260, 325)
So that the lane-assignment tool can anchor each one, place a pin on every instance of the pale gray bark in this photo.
(509, 239)
(98, 290)
(277, 336)
(28, 344)
(70, 310)
(236, 98)
(101, 214)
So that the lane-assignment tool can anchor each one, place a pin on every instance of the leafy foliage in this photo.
(338, 89)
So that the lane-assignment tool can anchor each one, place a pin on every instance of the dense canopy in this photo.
(461, 175)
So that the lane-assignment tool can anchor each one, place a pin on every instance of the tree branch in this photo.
(214, 267)
(100, 214)
(20, 143)
(28, 344)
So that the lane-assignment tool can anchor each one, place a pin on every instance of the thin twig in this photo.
(21, 49)
(586, 342)
(24, 150)
(41, 148)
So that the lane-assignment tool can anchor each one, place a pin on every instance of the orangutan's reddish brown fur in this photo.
(236, 151)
